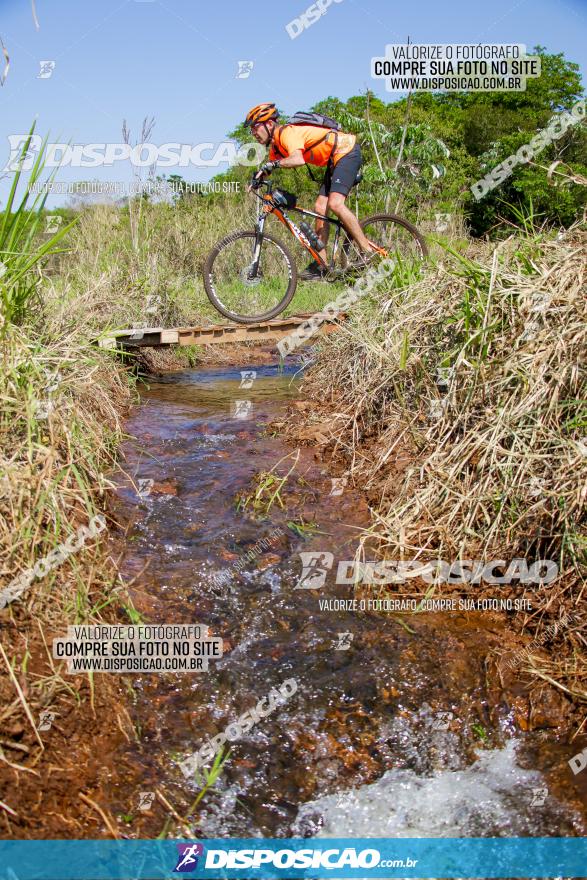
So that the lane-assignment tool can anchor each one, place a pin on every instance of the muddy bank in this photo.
(455, 403)
(515, 663)
(56, 792)
(62, 407)
(160, 361)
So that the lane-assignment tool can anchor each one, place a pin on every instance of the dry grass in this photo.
(53, 466)
(52, 481)
(118, 276)
(492, 462)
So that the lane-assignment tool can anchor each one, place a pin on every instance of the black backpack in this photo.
(317, 119)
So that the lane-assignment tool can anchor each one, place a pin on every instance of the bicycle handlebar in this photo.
(257, 184)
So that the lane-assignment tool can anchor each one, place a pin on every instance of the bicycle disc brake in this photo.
(248, 278)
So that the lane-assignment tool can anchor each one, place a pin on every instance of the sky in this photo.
(177, 60)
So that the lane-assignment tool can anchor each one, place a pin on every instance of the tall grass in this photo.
(127, 269)
(21, 245)
(461, 408)
(61, 402)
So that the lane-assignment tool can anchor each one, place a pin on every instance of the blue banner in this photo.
(523, 857)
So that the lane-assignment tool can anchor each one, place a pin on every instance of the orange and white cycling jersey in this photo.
(289, 138)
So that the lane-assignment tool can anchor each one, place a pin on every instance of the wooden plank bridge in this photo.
(212, 334)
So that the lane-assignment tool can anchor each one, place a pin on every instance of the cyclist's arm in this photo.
(294, 160)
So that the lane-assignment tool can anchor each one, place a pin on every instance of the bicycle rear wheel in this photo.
(242, 290)
(397, 236)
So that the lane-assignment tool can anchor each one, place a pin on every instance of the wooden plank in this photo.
(212, 334)
(169, 337)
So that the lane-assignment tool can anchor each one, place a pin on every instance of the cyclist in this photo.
(291, 146)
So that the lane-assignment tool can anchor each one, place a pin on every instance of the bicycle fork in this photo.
(254, 267)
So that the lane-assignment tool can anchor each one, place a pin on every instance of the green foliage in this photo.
(480, 732)
(528, 184)
(21, 246)
(423, 153)
(421, 156)
(208, 778)
(406, 161)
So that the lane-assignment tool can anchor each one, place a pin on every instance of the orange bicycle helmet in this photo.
(261, 113)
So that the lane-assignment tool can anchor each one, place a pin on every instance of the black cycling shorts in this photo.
(341, 177)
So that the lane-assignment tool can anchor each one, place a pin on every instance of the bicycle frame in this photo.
(268, 206)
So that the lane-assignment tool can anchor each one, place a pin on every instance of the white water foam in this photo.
(492, 797)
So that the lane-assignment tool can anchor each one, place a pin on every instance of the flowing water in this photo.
(392, 730)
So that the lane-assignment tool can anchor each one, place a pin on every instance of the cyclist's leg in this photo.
(336, 204)
(343, 179)
(315, 271)
(321, 207)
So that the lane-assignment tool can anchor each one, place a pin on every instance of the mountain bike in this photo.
(250, 276)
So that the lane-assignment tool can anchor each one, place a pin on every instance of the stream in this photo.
(393, 729)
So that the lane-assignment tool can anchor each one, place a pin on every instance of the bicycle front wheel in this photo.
(246, 286)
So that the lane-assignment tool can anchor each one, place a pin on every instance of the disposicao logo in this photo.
(283, 858)
(187, 857)
(328, 859)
